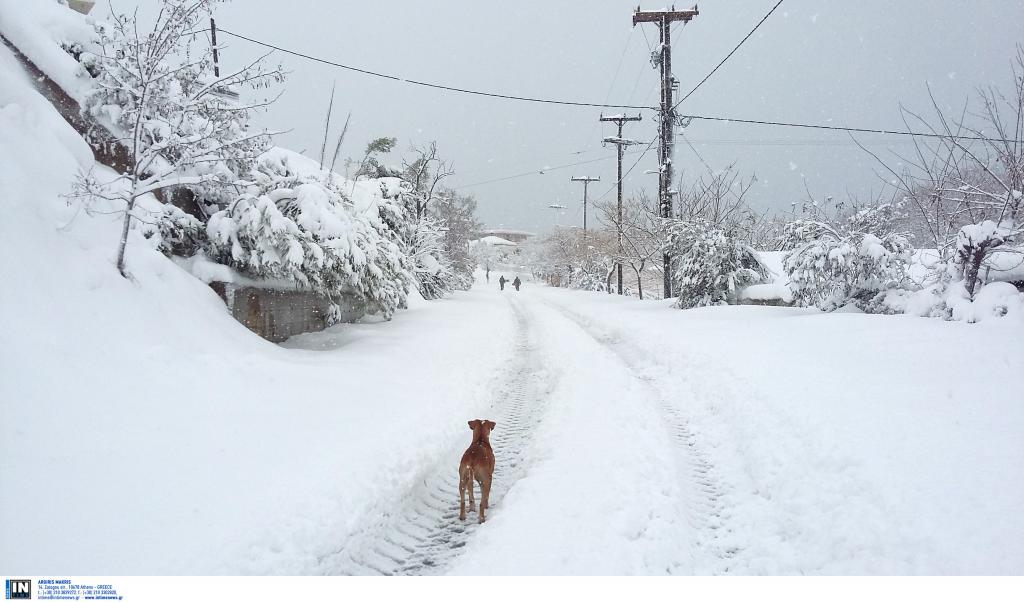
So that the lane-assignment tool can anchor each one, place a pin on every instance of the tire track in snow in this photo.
(702, 499)
(424, 534)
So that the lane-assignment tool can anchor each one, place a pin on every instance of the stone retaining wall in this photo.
(277, 315)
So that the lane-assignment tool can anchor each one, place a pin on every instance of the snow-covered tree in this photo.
(965, 182)
(370, 166)
(438, 233)
(424, 173)
(573, 258)
(858, 261)
(455, 214)
(643, 236)
(306, 230)
(155, 89)
(712, 265)
(432, 268)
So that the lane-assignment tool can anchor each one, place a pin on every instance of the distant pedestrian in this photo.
(501, 282)
(517, 282)
(487, 274)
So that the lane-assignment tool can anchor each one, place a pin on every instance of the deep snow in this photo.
(144, 431)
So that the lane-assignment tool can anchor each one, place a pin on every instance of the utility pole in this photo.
(664, 20)
(586, 181)
(213, 42)
(619, 142)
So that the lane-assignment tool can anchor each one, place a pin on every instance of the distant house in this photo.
(497, 241)
(516, 236)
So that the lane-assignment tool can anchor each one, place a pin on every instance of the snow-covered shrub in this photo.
(831, 266)
(305, 230)
(712, 266)
(590, 281)
(180, 233)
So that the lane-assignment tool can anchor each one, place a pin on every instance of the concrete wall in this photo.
(105, 146)
(276, 315)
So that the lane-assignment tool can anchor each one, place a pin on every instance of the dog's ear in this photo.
(491, 424)
(473, 424)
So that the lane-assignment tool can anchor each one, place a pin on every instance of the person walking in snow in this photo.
(487, 274)
(517, 282)
(501, 282)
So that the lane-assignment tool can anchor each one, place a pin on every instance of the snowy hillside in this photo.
(169, 426)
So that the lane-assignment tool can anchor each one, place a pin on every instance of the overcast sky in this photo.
(836, 62)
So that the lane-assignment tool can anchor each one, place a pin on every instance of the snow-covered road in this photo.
(631, 438)
(591, 456)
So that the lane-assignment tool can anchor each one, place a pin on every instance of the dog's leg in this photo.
(462, 496)
(469, 483)
(485, 495)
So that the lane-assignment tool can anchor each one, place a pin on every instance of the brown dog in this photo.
(477, 465)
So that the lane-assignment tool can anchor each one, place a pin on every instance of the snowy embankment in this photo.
(145, 431)
(843, 443)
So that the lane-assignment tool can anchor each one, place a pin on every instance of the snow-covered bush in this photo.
(180, 233)
(305, 230)
(859, 261)
(712, 266)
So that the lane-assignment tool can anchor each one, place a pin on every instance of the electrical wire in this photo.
(433, 85)
(626, 106)
(837, 128)
(635, 163)
(731, 52)
(546, 169)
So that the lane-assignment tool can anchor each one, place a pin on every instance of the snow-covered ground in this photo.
(645, 440)
(144, 431)
(838, 443)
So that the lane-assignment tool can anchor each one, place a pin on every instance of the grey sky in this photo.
(835, 62)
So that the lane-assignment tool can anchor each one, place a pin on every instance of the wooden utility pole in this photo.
(664, 20)
(586, 181)
(619, 142)
(213, 42)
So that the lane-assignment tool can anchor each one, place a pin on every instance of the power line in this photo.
(432, 85)
(618, 68)
(542, 170)
(643, 153)
(614, 106)
(731, 52)
(837, 128)
(788, 142)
